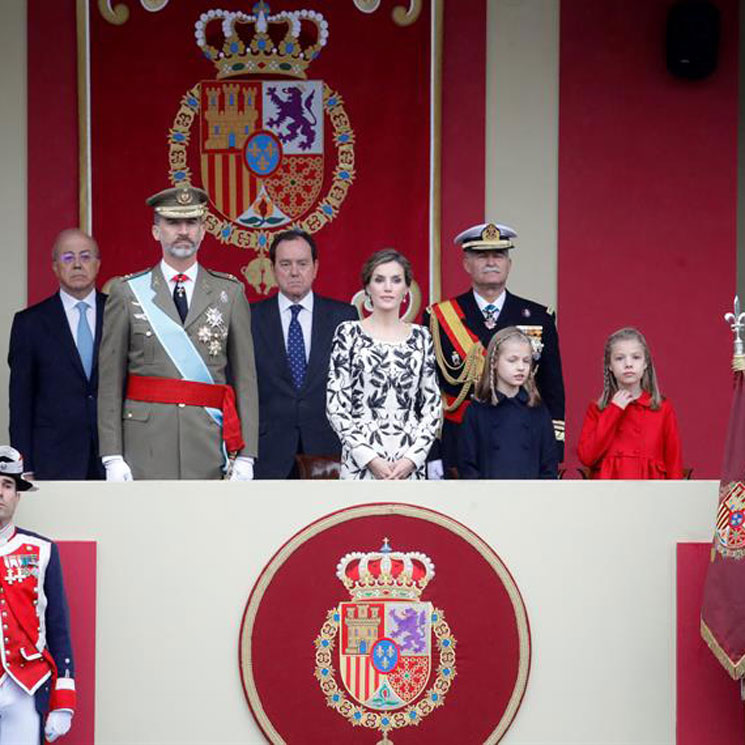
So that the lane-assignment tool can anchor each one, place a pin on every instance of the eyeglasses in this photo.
(84, 257)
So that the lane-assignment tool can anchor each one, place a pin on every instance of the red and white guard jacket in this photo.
(35, 647)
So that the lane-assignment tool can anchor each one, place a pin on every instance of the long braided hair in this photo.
(486, 389)
(649, 378)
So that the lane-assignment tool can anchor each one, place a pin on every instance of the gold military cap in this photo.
(486, 236)
(179, 202)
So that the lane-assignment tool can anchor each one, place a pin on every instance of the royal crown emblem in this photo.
(247, 42)
(259, 147)
(385, 638)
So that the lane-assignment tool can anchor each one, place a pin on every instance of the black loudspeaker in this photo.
(692, 39)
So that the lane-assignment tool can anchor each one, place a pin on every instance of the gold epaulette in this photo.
(222, 275)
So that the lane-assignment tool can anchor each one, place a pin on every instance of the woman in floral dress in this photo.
(382, 398)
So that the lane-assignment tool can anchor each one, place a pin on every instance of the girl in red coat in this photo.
(631, 432)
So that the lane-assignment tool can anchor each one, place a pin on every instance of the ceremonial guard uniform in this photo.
(461, 333)
(164, 403)
(35, 648)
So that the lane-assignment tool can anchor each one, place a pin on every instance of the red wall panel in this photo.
(463, 133)
(52, 136)
(647, 197)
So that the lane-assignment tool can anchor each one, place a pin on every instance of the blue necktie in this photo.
(296, 348)
(85, 339)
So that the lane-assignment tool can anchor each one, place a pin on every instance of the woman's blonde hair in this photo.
(649, 378)
(486, 388)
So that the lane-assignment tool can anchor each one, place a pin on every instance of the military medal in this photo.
(213, 332)
(490, 323)
(214, 317)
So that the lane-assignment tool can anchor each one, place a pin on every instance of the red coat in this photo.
(632, 443)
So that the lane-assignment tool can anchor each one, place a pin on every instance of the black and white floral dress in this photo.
(382, 398)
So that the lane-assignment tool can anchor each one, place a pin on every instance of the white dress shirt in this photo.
(498, 303)
(73, 316)
(304, 317)
(169, 273)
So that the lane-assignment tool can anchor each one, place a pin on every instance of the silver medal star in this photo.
(214, 317)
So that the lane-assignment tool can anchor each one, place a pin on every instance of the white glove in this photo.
(116, 468)
(243, 469)
(58, 723)
(435, 471)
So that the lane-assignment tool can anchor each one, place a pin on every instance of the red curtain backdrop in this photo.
(647, 198)
(53, 152)
(381, 71)
(709, 710)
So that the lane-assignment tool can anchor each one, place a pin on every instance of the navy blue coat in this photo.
(508, 441)
(292, 421)
(52, 402)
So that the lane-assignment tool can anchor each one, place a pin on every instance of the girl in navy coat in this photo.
(507, 432)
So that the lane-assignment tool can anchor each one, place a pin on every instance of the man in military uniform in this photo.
(174, 337)
(37, 674)
(462, 327)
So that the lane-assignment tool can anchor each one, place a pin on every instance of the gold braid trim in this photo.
(736, 670)
(738, 363)
(470, 370)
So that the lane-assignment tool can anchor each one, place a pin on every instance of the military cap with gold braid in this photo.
(180, 202)
(488, 236)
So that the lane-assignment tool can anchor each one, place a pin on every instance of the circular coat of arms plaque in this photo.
(385, 623)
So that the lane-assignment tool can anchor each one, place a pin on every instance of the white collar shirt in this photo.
(169, 273)
(498, 303)
(69, 303)
(304, 317)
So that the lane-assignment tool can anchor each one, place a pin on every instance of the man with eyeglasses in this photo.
(53, 368)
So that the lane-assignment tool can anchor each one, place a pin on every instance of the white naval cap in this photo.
(487, 236)
(11, 464)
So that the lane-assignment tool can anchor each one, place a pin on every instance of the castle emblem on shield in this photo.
(272, 148)
(381, 645)
(730, 530)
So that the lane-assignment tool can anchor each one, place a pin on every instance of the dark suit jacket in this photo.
(52, 403)
(288, 419)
